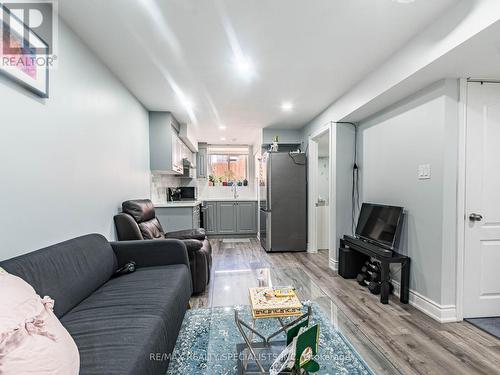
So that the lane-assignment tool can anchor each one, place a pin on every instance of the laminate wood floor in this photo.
(412, 341)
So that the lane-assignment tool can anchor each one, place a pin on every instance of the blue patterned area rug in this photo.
(207, 344)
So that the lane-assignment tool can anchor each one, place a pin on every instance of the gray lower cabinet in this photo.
(246, 217)
(210, 217)
(226, 217)
(178, 218)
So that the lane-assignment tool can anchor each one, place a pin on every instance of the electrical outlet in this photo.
(424, 172)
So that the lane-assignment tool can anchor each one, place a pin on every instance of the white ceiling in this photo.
(476, 58)
(308, 52)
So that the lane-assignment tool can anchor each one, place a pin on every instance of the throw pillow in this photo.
(32, 340)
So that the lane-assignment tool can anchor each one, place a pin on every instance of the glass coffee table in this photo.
(343, 348)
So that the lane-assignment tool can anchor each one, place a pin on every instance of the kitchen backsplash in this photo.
(159, 183)
(211, 192)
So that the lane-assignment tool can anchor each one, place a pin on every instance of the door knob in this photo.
(475, 217)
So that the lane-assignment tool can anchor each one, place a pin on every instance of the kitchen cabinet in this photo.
(230, 217)
(165, 146)
(246, 217)
(226, 217)
(210, 217)
(177, 153)
(186, 152)
(202, 161)
(178, 218)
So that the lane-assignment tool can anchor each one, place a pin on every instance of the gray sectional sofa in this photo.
(121, 325)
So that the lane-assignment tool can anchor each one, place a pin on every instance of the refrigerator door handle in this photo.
(268, 184)
(269, 237)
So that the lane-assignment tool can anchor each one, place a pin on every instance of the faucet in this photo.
(235, 192)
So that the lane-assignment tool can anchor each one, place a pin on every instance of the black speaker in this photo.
(350, 263)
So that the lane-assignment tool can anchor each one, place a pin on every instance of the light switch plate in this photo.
(424, 172)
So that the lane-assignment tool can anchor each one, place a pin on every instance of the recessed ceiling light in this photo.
(286, 106)
(223, 139)
(222, 127)
(186, 102)
(245, 67)
(403, 1)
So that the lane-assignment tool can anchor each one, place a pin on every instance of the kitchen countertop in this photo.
(200, 201)
(229, 200)
(177, 204)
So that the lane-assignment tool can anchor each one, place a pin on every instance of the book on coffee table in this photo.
(274, 302)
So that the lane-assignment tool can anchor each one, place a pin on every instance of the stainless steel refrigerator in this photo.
(283, 202)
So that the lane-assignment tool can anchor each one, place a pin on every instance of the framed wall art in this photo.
(23, 54)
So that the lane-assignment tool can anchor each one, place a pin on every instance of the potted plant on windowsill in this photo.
(229, 177)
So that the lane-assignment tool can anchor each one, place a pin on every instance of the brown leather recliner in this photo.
(138, 221)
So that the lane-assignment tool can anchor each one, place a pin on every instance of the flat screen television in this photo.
(380, 224)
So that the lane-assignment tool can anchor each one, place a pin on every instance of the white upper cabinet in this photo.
(177, 153)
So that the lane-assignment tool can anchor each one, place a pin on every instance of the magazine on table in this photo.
(301, 349)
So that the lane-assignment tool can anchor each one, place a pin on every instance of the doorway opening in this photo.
(319, 191)
(323, 194)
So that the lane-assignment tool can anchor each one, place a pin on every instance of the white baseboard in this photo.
(441, 313)
(333, 264)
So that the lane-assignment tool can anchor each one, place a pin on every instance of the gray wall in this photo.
(422, 129)
(344, 155)
(68, 162)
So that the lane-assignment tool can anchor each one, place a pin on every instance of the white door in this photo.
(482, 228)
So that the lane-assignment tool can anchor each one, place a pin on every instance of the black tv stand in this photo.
(354, 252)
(371, 246)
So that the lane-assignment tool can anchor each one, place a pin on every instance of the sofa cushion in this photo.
(68, 272)
(140, 209)
(129, 319)
(151, 230)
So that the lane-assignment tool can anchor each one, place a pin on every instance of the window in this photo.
(228, 166)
